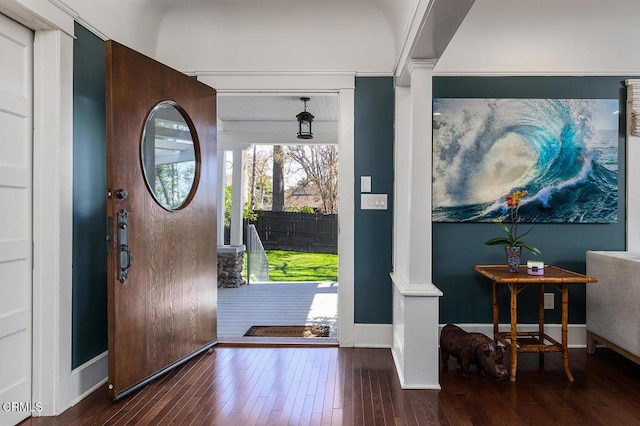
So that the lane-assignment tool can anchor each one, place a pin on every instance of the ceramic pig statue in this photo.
(471, 348)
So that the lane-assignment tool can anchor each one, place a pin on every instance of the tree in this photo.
(320, 164)
(173, 182)
(260, 188)
(278, 179)
(252, 182)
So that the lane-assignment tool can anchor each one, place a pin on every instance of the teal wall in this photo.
(373, 150)
(89, 308)
(457, 246)
(374, 110)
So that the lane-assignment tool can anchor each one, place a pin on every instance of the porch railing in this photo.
(257, 262)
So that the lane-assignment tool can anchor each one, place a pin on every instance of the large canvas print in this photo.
(563, 152)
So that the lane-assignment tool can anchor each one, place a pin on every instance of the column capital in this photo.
(422, 64)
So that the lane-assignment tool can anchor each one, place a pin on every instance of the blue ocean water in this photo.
(564, 152)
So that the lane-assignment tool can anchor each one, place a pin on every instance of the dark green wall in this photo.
(89, 321)
(373, 150)
(374, 113)
(467, 297)
(457, 246)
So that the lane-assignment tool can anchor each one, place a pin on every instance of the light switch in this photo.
(373, 201)
(365, 183)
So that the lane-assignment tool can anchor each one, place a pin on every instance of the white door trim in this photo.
(52, 199)
(52, 220)
(227, 84)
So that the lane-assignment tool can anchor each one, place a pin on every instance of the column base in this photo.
(230, 264)
(415, 334)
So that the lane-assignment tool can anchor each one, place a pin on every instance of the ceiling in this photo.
(275, 108)
(271, 119)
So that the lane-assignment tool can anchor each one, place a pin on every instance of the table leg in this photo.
(541, 322)
(514, 338)
(495, 312)
(565, 321)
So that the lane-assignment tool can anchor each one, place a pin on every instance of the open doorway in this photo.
(286, 191)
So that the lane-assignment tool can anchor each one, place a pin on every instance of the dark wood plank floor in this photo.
(358, 386)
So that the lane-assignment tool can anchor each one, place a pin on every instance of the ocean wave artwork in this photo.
(563, 152)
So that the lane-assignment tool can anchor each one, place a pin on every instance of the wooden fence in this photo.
(306, 232)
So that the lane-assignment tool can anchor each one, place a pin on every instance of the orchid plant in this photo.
(513, 200)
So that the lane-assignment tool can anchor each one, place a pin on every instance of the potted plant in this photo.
(512, 242)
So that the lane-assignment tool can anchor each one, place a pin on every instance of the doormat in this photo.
(288, 331)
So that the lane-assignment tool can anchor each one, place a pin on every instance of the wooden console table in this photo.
(532, 341)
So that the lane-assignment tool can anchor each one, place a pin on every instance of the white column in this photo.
(220, 193)
(52, 220)
(346, 212)
(633, 167)
(420, 125)
(237, 197)
(415, 298)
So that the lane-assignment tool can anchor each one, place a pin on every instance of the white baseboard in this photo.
(577, 333)
(381, 335)
(372, 335)
(88, 377)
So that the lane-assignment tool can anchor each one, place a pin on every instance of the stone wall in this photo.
(230, 263)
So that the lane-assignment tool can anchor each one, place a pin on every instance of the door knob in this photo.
(122, 194)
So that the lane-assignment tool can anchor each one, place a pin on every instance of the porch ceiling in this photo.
(271, 119)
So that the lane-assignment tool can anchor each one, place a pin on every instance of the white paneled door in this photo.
(16, 117)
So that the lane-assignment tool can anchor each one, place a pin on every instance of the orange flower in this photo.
(514, 199)
(510, 201)
(513, 202)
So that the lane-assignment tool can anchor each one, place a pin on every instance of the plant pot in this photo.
(514, 254)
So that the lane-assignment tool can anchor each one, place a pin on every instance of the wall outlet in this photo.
(549, 300)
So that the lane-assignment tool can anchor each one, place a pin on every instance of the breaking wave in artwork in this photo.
(564, 152)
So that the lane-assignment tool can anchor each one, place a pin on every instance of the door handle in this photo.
(125, 258)
(122, 194)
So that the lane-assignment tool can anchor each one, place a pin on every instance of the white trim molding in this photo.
(276, 81)
(52, 220)
(88, 377)
(79, 19)
(307, 83)
(52, 199)
(37, 15)
(577, 333)
(346, 214)
(633, 166)
(373, 335)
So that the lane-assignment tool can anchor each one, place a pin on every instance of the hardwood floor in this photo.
(359, 386)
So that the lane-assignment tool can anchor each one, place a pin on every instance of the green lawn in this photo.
(298, 266)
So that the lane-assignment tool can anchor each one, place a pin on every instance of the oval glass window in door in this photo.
(170, 156)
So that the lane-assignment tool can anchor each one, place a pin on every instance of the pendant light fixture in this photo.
(304, 122)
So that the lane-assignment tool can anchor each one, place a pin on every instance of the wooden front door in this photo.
(161, 215)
